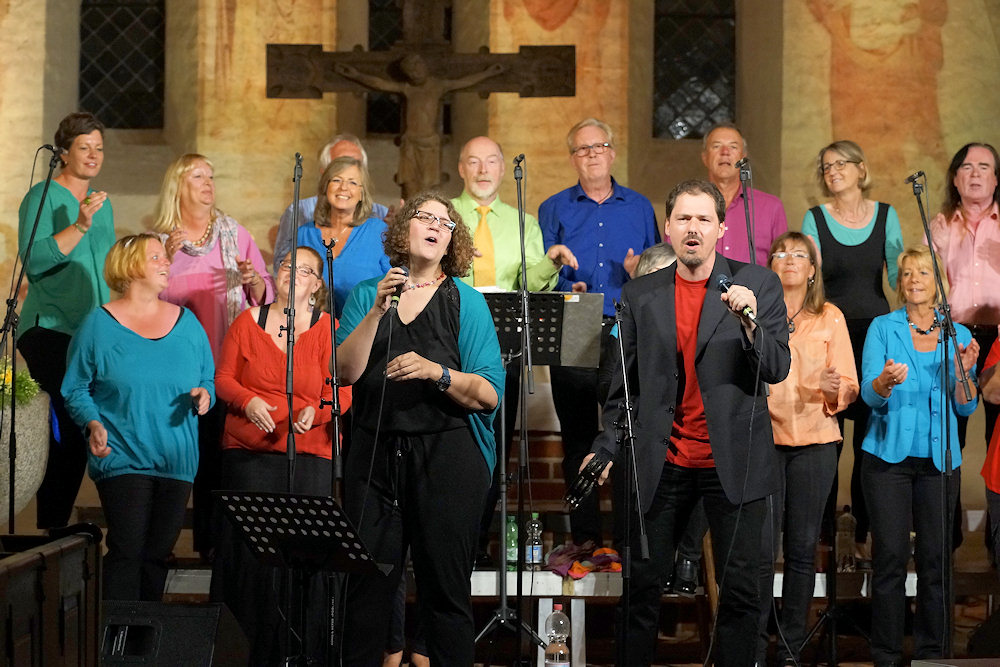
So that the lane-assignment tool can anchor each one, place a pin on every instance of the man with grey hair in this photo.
(343, 144)
(606, 226)
(722, 148)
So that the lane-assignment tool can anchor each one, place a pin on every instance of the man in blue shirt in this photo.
(606, 226)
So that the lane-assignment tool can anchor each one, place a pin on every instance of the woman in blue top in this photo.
(344, 215)
(858, 239)
(140, 372)
(75, 231)
(903, 455)
(426, 377)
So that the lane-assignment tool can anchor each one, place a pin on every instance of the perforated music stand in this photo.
(565, 326)
(295, 531)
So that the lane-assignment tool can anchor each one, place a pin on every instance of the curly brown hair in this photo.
(457, 261)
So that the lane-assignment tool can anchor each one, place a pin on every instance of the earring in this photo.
(312, 299)
(812, 279)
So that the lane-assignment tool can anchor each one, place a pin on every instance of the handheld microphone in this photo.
(394, 301)
(55, 149)
(725, 284)
(914, 176)
(519, 159)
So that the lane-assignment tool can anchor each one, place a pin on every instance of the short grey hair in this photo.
(590, 122)
(724, 126)
(324, 153)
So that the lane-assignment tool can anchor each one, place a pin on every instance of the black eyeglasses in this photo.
(583, 151)
(300, 269)
(429, 219)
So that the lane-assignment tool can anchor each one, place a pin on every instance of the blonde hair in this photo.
(921, 256)
(126, 260)
(363, 209)
(168, 208)
(853, 153)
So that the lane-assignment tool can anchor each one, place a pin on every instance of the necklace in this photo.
(923, 332)
(426, 284)
(206, 235)
(853, 221)
(791, 320)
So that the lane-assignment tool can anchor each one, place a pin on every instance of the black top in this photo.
(413, 406)
(852, 274)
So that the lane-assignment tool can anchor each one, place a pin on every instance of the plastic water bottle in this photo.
(557, 630)
(846, 525)
(511, 537)
(533, 544)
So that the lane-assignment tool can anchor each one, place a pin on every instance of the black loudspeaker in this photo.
(155, 633)
(984, 642)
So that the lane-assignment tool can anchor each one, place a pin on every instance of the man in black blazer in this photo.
(698, 366)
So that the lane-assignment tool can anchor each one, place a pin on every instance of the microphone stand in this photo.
(289, 330)
(9, 331)
(504, 616)
(336, 457)
(633, 499)
(948, 340)
(746, 178)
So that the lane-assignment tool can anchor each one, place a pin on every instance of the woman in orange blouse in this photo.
(822, 381)
(251, 376)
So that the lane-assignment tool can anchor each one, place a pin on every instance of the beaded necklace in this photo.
(426, 284)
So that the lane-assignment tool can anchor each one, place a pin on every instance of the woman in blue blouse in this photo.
(75, 231)
(139, 373)
(903, 455)
(426, 377)
(344, 214)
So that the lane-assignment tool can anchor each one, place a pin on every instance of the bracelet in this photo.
(79, 228)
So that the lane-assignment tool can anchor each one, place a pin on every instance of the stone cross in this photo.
(423, 69)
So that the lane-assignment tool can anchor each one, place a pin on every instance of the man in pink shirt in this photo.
(966, 236)
(722, 148)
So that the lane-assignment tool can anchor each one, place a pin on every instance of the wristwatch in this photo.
(445, 380)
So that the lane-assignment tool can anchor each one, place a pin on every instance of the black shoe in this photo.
(484, 561)
(668, 585)
(686, 577)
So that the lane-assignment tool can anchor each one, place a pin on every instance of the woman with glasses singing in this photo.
(821, 383)
(857, 238)
(251, 380)
(344, 215)
(426, 376)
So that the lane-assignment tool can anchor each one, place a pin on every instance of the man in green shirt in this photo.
(496, 234)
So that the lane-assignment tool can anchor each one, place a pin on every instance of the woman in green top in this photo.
(65, 282)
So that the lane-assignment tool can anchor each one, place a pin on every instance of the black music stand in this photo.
(565, 331)
(302, 534)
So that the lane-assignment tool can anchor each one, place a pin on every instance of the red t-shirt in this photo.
(689, 446)
(991, 466)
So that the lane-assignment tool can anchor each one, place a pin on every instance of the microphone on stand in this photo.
(55, 149)
(914, 176)
(724, 285)
(394, 301)
(743, 162)
(519, 159)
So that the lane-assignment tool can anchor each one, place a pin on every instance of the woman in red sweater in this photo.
(251, 377)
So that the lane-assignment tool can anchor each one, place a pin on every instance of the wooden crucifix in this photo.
(423, 69)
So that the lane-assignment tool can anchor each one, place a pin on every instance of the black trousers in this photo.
(736, 532)
(253, 590)
(145, 515)
(576, 395)
(45, 352)
(900, 495)
(426, 492)
(511, 394)
(210, 427)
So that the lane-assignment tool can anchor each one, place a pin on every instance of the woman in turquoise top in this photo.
(903, 456)
(75, 231)
(858, 240)
(344, 215)
(140, 372)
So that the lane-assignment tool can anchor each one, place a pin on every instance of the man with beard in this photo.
(698, 386)
(497, 237)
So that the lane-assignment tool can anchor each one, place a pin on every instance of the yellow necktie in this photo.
(483, 268)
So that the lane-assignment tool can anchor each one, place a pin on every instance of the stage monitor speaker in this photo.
(185, 635)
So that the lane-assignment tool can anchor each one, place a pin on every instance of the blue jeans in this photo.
(733, 527)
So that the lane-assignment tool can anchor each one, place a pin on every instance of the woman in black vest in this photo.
(857, 238)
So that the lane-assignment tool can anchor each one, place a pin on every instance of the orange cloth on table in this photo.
(800, 415)
(484, 268)
(250, 364)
